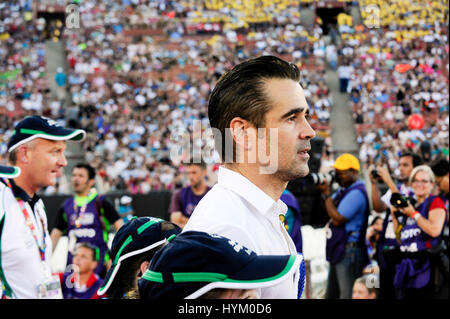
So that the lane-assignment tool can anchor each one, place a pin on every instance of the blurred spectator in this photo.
(60, 79)
(441, 171)
(421, 271)
(185, 200)
(344, 71)
(373, 235)
(365, 288)
(292, 220)
(348, 209)
(387, 249)
(82, 282)
(86, 217)
(125, 208)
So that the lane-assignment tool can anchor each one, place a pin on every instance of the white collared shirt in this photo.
(21, 266)
(236, 208)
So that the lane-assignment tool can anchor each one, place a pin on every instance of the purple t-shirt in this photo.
(185, 201)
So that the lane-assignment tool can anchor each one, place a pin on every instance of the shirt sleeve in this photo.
(110, 212)
(352, 204)
(175, 203)
(437, 203)
(386, 198)
(61, 220)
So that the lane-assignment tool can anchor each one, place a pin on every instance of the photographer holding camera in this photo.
(419, 227)
(387, 245)
(348, 210)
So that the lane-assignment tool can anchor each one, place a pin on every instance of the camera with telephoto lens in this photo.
(320, 178)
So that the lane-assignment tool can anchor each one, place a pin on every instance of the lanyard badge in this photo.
(50, 288)
(42, 247)
(79, 213)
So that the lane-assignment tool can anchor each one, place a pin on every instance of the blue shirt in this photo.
(60, 79)
(353, 208)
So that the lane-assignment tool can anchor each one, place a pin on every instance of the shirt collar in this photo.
(20, 193)
(250, 192)
(89, 283)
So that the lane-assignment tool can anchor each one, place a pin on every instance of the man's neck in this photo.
(266, 182)
(199, 189)
(25, 183)
(83, 278)
(83, 198)
(83, 193)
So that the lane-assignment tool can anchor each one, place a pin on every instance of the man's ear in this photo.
(144, 266)
(242, 132)
(23, 154)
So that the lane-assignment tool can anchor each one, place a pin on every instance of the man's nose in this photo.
(307, 132)
(62, 161)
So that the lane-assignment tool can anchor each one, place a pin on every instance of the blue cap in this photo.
(135, 237)
(33, 127)
(194, 263)
(9, 171)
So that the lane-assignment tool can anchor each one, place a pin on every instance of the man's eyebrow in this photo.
(57, 148)
(295, 111)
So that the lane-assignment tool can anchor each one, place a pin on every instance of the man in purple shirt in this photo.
(186, 199)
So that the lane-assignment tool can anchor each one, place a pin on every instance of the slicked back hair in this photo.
(240, 93)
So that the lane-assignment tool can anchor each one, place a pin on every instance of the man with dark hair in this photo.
(440, 169)
(256, 106)
(387, 249)
(186, 199)
(82, 282)
(406, 164)
(86, 217)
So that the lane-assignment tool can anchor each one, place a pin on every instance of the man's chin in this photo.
(289, 175)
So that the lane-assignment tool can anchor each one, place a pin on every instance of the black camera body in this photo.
(401, 201)
(320, 178)
(376, 176)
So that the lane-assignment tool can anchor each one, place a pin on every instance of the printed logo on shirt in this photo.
(83, 232)
(190, 209)
(85, 219)
(412, 248)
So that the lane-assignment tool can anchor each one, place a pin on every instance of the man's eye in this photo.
(307, 116)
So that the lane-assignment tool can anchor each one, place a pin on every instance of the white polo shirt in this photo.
(21, 268)
(236, 208)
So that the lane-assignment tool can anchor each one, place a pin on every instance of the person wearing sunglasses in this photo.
(419, 232)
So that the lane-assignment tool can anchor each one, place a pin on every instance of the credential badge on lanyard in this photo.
(50, 288)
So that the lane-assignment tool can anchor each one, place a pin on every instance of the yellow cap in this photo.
(346, 161)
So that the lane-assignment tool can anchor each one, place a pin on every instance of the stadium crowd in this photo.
(139, 75)
(132, 89)
(399, 72)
